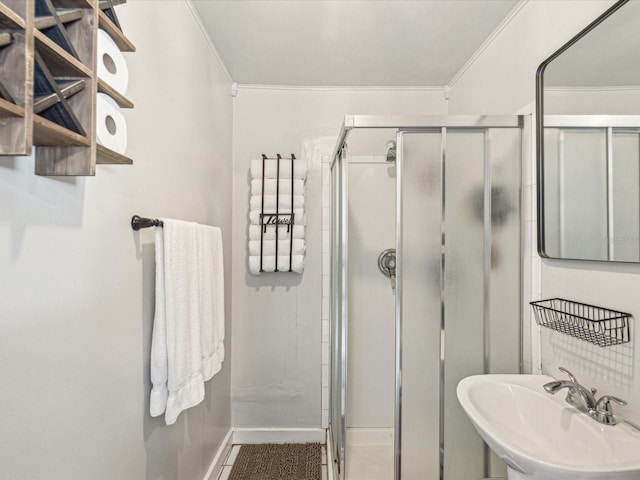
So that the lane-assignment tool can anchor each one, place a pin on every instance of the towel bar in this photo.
(138, 222)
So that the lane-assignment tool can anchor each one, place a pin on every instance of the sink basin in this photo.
(541, 437)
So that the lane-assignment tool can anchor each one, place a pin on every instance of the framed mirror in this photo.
(588, 142)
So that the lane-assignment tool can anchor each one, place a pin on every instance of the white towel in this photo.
(298, 213)
(271, 169)
(187, 345)
(271, 201)
(283, 187)
(284, 247)
(268, 264)
(270, 234)
(297, 263)
(159, 368)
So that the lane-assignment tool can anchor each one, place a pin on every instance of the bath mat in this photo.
(274, 461)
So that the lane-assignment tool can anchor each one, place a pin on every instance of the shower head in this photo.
(391, 151)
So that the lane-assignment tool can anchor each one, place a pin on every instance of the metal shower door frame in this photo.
(404, 124)
(339, 243)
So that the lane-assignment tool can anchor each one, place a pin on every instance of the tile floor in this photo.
(233, 453)
(370, 462)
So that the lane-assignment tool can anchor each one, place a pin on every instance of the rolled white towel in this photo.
(271, 168)
(298, 217)
(283, 186)
(297, 263)
(282, 201)
(269, 247)
(270, 234)
(268, 264)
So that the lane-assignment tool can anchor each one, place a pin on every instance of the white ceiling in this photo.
(606, 56)
(349, 42)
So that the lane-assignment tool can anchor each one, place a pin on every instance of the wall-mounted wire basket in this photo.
(597, 325)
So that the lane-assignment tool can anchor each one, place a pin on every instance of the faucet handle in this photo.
(604, 404)
(603, 412)
(570, 399)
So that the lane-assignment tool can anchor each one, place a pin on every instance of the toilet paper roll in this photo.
(111, 126)
(112, 67)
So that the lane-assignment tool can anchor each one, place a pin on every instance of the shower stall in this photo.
(425, 289)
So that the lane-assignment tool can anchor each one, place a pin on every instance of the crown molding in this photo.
(321, 88)
(490, 39)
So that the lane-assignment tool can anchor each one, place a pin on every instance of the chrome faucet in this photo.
(572, 391)
(587, 396)
(600, 410)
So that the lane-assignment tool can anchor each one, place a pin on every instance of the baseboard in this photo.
(369, 437)
(279, 435)
(221, 454)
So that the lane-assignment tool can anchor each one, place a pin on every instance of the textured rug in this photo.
(272, 461)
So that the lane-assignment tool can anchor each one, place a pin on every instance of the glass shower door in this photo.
(458, 244)
(418, 304)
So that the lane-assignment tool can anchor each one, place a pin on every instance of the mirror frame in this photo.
(540, 130)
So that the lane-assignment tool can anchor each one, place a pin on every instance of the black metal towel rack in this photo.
(277, 213)
(138, 222)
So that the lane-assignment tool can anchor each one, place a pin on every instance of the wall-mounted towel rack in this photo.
(138, 222)
(282, 206)
(278, 157)
(266, 218)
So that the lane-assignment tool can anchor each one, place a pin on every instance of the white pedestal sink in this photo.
(541, 437)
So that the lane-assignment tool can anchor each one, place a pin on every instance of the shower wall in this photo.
(371, 361)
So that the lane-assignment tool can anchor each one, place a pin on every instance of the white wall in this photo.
(77, 284)
(372, 222)
(277, 321)
(502, 80)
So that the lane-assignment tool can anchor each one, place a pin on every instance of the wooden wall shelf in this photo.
(25, 37)
(48, 133)
(124, 44)
(65, 16)
(75, 3)
(16, 78)
(10, 19)
(60, 62)
(9, 109)
(121, 100)
(109, 157)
